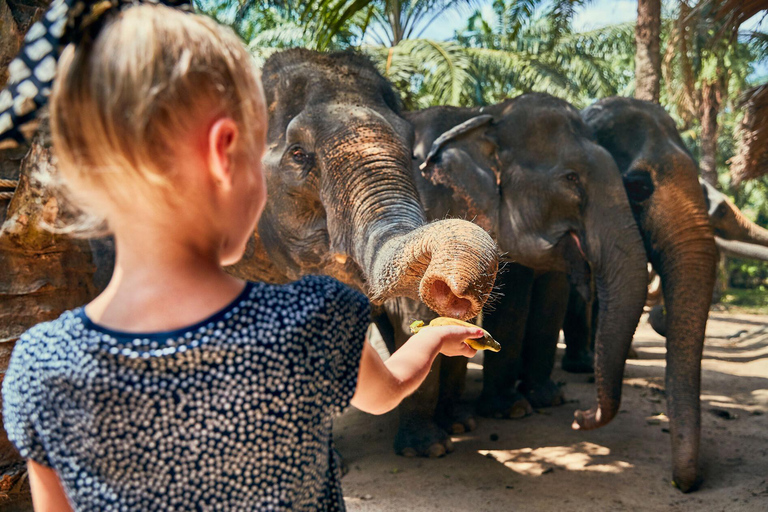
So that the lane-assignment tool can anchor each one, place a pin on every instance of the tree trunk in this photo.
(708, 109)
(648, 54)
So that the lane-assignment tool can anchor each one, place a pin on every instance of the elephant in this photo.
(735, 235)
(528, 172)
(660, 177)
(341, 199)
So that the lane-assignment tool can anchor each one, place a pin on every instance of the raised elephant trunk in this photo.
(685, 258)
(619, 261)
(744, 230)
(738, 249)
(378, 220)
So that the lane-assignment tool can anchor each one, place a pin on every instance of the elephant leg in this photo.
(451, 415)
(418, 434)
(549, 302)
(578, 333)
(501, 370)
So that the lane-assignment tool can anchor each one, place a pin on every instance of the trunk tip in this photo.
(686, 482)
(594, 418)
(439, 296)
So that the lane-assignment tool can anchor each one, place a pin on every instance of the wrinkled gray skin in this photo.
(527, 171)
(341, 199)
(660, 177)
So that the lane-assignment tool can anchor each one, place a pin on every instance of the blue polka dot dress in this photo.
(233, 413)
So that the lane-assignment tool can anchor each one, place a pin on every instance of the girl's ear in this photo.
(222, 140)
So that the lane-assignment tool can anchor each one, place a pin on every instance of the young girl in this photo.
(181, 387)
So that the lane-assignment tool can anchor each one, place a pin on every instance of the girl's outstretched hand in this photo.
(381, 385)
(450, 339)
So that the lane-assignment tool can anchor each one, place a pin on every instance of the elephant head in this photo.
(661, 181)
(342, 200)
(735, 234)
(552, 197)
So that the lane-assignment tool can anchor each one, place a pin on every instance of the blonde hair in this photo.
(123, 103)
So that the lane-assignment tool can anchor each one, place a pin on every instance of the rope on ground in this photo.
(8, 183)
(6, 195)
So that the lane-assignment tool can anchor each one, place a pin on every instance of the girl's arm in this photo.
(47, 492)
(381, 385)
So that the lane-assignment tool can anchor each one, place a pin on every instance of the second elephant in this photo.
(528, 171)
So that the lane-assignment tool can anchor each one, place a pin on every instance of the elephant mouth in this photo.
(577, 241)
(571, 247)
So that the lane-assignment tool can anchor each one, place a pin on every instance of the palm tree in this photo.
(648, 54)
(518, 51)
(705, 65)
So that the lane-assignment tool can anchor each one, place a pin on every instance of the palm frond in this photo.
(439, 68)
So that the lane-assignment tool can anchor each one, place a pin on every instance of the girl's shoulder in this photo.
(45, 339)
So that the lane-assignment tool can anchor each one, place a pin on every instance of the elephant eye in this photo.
(573, 177)
(299, 156)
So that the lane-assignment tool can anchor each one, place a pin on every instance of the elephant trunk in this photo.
(450, 265)
(685, 257)
(746, 230)
(738, 249)
(619, 261)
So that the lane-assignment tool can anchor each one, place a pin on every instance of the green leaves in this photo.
(430, 72)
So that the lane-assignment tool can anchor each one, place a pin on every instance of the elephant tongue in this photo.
(575, 237)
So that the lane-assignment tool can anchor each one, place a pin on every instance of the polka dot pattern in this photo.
(233, 413)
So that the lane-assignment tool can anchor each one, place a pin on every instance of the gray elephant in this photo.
(660, 178)
(528, 171)
(342, 201)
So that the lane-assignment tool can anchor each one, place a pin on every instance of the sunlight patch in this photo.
(582, 456)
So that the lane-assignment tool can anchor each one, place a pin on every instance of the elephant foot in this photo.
(547, 394)
(583, 362)
(422, 438)
(457, 420)
(508, 406)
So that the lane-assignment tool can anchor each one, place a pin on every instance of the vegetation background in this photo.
(479, 52)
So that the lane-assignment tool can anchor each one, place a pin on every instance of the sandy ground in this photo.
(539, 463)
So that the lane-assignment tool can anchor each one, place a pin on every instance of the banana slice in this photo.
(485, 343)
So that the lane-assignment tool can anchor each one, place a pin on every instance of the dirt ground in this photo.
(539, 463)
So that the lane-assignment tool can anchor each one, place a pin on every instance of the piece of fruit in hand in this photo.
(485, 343)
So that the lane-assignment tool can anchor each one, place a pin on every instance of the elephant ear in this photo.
(464, 161)
(453, 133)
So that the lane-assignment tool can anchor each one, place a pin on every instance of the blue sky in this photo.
(597, 14)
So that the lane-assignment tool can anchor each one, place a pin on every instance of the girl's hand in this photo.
(450, 339)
